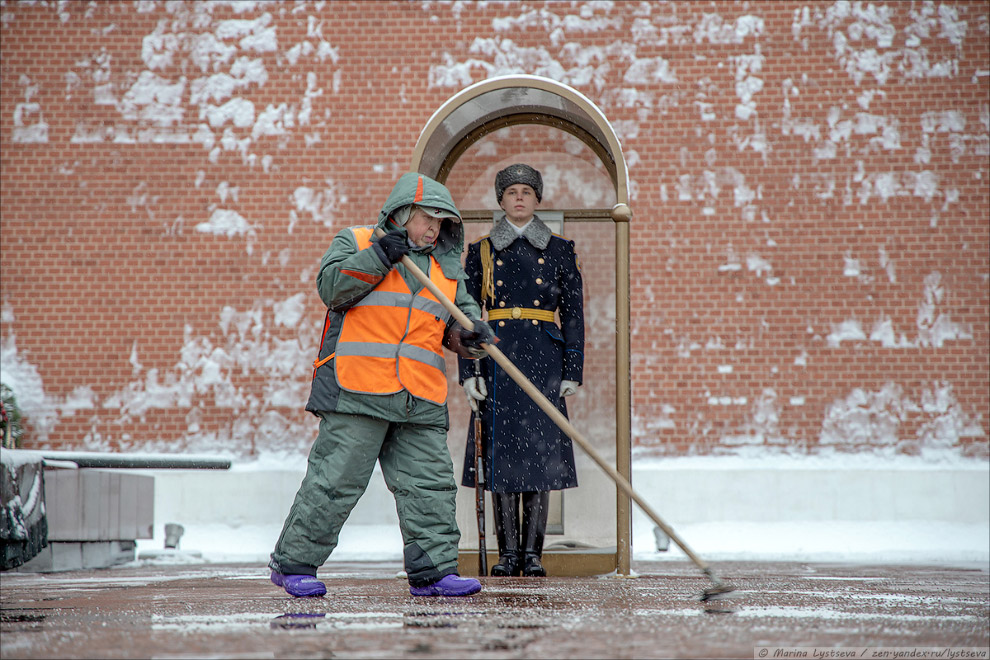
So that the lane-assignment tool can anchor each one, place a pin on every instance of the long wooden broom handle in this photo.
(551, 410)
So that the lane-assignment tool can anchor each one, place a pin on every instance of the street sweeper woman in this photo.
(522, 274)
(380, 391)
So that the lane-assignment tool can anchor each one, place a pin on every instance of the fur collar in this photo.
(503, 234)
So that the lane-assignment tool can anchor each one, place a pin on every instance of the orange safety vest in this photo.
(392, 339)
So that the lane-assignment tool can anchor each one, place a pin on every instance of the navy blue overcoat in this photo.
(536, 274)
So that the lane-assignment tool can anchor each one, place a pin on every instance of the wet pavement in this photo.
(781, 609)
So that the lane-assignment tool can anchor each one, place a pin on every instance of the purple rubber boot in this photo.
(300, 586)
(448, 585)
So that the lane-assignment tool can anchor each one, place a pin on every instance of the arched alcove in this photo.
(522, 100)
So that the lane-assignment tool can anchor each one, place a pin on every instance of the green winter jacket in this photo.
(339, 290)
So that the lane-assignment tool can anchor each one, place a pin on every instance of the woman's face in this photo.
(423, 229)
(519, 203)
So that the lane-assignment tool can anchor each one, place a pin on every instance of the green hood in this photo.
(413, 188)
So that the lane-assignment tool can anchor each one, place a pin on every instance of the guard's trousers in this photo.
(418, 471)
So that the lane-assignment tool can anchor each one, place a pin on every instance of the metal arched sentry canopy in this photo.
(489, 105)
(497, 103)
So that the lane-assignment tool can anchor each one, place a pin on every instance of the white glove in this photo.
(476, 391)
(568, 387)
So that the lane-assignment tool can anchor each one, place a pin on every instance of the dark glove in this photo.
(481, 333)
(467, 343)
(392, 247)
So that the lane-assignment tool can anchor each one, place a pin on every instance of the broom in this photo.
(718, 588)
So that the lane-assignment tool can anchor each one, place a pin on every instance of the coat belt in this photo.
(520, 313)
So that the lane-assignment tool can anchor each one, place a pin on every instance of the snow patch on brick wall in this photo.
(29, 120)
(934, 327)
(23, 378)
(875, 419)
(248, 352)
(223, 374)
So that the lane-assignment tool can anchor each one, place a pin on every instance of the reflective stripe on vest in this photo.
(392, 339)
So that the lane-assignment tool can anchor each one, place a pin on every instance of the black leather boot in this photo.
(535, 508)
(505, 508)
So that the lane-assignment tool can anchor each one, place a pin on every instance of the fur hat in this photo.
(518, 173)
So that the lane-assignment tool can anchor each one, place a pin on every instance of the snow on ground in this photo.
(794, 539)
(859, 542)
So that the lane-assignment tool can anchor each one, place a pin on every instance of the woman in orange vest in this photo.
(380, 391)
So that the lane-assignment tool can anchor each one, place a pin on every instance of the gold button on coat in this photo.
(539, 280)
(516, 312)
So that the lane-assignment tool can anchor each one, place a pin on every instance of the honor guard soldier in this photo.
(526, 278)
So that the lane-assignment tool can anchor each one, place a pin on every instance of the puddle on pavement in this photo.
(429, 623)
(851, 578)
(297, 621)
(221, 624)
(508, 620)
(825, 613)
(447, 619)
(665, 613)
(434, 614)
(337, 621)
(208, 623)
(521, 625)
(427, 619)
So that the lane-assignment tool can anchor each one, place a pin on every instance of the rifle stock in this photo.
(479, 494)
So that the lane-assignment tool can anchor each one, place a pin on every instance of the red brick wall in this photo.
(809, 190)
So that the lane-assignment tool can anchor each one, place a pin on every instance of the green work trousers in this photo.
(418, 471)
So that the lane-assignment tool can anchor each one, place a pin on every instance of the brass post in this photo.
(621, 215)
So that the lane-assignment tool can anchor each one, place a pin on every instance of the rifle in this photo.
(479, 486)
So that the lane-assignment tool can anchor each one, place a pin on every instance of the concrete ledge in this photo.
(710, 494)
(250, 497)
(98, 505)
(94, 518)
(685, 494)
(73, 556)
